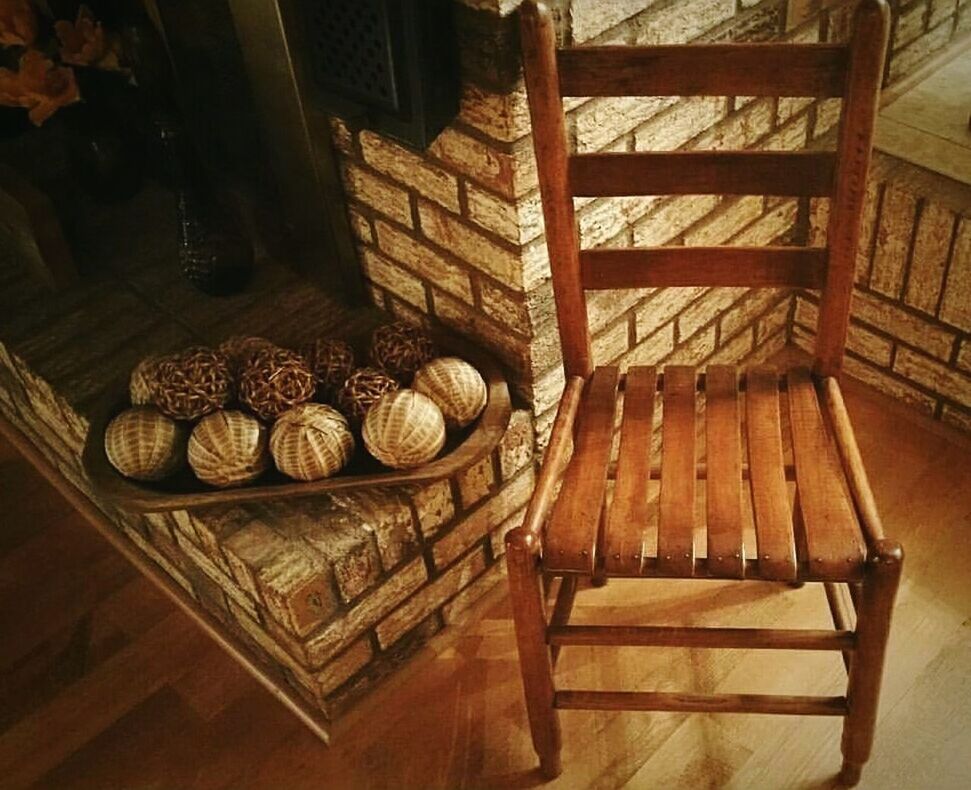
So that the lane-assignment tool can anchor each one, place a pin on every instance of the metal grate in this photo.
(351, 50)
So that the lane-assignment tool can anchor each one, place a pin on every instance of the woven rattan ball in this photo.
(404, 429)
(311, 441)
(275, 380)
(193, 383)
(400, 349)
(331, 362)
(144, 444)
(228, 448)
(361, 390)
(240, 349)
(144, 381)
(456, 387)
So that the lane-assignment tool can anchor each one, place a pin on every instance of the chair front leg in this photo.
(866, 669)
(529, 618)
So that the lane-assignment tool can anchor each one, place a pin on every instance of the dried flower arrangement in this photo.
(46, 50)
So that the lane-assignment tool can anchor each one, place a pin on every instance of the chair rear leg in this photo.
(866, 669)
(529, 618)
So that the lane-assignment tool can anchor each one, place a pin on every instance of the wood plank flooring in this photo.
(103, 684)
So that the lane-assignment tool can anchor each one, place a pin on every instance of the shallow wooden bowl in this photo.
(463, 449)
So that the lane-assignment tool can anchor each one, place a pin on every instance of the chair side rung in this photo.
(673, 636)
(700, 703)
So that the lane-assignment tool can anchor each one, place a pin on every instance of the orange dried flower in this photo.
(39, 85)
(85, 43)
(18, 24)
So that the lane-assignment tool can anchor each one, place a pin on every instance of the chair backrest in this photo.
(851, 71)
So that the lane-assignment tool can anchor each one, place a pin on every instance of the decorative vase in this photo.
(214, 254)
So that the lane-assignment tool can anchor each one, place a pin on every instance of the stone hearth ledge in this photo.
(329, 593)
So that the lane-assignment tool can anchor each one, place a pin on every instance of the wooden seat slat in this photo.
(767, 480)
(834, 542)
(575, 520)
(675, 542)
(723, 444)
(629, 514)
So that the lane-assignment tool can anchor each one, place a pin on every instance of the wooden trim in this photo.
(656, 267)
(550, 145)
(700, 703)
(208, 624)
(704, 70)
(839, 611)
(867, 54)
(855, 471)
(782, 173)
(675, 636)
(558, 453)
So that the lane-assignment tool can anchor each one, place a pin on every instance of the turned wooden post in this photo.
(880, 583)
(529, 618)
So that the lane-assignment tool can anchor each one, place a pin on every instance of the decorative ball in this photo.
(404, 429)
(144, 444)
(331, 362)
(241, 349)
(457, 388)
(144, 381)
(361, 390)
(400, 349)
(275, 380)
(311, 441)
(193, 383)
(228, 448)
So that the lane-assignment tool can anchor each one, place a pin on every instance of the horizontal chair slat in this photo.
(782, 173)
(664, 636)
(701, 703)
(655, 267)
(704, 70)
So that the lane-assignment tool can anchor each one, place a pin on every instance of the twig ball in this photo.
(457, 388)
(193, 383)
(404, 429)
(144, 444)
(400, 349)
(143, 382)
(361, 390)
(275, 380)
(311, 441)
(240, 349)
(228, 448)
(331, 362)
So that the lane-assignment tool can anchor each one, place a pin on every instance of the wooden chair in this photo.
(831, 534)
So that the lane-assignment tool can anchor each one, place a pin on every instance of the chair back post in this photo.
(550, 144)
(868, 48)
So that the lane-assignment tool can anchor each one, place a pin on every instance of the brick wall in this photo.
(910, 333)
(455, 234)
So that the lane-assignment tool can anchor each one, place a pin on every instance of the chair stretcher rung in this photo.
(700, 703)
(666, 636)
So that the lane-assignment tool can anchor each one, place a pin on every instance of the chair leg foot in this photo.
(850, 774)
(599, 580)
(551, 766)
(796, 585)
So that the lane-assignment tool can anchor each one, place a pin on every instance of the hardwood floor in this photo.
(104, 684)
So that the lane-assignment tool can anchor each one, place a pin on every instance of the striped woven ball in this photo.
(228, 448)
(144, 381)
(404, 429)
(456, 387)
(144, 444)
(311, 442)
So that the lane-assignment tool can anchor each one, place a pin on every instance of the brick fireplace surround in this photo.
(331, 594)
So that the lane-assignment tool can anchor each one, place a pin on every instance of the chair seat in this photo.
(749, 451)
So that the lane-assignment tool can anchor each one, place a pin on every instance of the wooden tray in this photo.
(462, 449)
